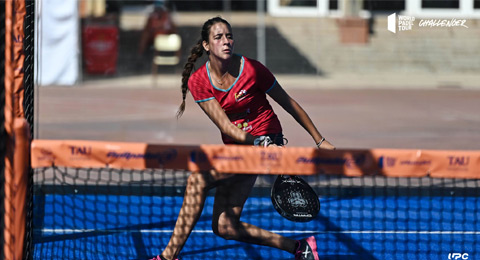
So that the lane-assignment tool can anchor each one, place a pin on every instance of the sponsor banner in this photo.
(402, 162)
(456, 164)
(257, 160)
(343, 162)
(78, 154)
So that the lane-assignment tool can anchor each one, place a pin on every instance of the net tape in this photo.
(257, 160)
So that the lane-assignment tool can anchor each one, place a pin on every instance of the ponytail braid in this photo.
(195, 53)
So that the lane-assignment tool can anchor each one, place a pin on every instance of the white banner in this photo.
(57, 42)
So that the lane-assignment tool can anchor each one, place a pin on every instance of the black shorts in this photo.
(276, 138)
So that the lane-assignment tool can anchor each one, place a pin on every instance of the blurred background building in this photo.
(95, 39)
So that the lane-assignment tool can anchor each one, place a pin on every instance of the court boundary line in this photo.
(159, 231)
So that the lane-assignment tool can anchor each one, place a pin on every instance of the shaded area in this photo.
(280, 54)
(131, 214)
(339, 234)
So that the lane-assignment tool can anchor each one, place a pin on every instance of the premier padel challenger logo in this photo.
(398, 23)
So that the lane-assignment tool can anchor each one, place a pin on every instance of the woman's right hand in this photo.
(326, 145)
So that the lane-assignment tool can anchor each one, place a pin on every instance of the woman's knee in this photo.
(225, 227)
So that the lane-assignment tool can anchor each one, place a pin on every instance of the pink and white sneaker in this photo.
(306, 249)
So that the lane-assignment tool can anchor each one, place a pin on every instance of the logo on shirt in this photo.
(240, 95)
(244, 126)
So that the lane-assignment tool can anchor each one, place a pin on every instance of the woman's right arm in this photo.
(215, 112)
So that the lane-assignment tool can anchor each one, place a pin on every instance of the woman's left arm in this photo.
(280, 96)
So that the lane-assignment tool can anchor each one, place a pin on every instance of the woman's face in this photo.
(221, 42)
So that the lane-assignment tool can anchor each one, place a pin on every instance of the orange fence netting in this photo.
(17, 145)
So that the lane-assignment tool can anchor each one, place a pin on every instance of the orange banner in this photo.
(256, 160)
(455, 164)
(18, 57)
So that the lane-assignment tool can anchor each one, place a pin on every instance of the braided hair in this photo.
(195, 53)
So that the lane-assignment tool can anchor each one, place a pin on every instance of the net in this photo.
(127, 208)
(28, 107)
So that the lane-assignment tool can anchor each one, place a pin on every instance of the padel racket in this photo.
(294, 199)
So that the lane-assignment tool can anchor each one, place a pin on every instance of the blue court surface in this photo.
(80, 226)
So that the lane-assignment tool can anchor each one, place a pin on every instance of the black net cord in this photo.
(29, 90)
(28, 66)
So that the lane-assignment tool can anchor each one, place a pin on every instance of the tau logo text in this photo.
(458, 160)
(80, 150)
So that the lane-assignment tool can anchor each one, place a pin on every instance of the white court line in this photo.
(77, 231)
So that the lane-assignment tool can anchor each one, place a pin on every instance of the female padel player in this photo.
(231, 89)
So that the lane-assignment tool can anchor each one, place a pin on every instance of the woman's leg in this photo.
(229, 201)
(198, 184)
